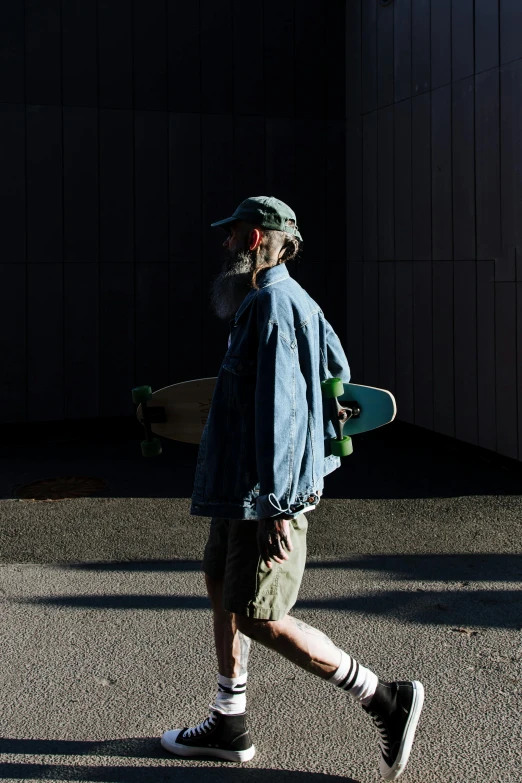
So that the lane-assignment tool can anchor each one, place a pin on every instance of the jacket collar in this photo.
(272, 275)
(275, 274)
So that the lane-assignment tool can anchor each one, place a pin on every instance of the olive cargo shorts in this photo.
(249, 587)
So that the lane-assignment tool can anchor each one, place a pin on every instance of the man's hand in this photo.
(272, 535)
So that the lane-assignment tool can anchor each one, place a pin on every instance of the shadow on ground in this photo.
(145, 748)
(482, 567)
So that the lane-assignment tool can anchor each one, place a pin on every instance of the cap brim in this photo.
(222, 222)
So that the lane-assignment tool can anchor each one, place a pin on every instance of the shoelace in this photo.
(384, 742)
(202, 727)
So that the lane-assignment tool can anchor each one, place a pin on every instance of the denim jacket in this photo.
(266, 445)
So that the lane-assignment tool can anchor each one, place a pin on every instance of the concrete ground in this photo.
(105, 640)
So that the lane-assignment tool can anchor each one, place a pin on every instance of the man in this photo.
(261, 466)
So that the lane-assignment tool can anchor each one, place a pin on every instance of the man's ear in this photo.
(255, 239)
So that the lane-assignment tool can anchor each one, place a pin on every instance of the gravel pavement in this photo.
(105, 640)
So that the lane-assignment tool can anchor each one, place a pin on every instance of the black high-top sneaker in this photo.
(220, 736)
(395, 710)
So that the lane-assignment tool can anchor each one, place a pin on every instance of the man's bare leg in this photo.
(294, 639)
(232, 647)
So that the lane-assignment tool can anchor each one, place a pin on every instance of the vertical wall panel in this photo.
(116, 347)
(44, 183)
(387, 326)
(510, 26)
(369, 187)
(486, 375)
(506, 368)
(81, 318)
(184, 56)
(218, 203)
(43, 51)
(150, 54)
(462, 44)
(487, 162)
(45, 371)
(353, 44)
(442, 224)
(443, 349)
(185, 185)
(369, 55)
(486, 35)
(519, 367)
(12, 53)
(152, 324)
(278, 59)
(385, 56)
(402, 49)
(355, 321)
(371, 322)
(80, 182)
(337, 15)
(335, 302)
(403, 178)
(354, 188)
(79, 47)
(335, 195)
(248, 47)
(421, 47)
(13, 378)
(385, 184)
(310, 60)
(440, 43)
(115, 53)
(151, 161)
(116, 186)
(249, 144)
(423, 342)
(404, 341)
(421, 177)
(12, 182)
(511, 154)
(463, 152)
(217, 83)
(185, 359)
(310, 204)
(466, 399)
(280, 158)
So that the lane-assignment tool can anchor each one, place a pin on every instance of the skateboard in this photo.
(180, 412)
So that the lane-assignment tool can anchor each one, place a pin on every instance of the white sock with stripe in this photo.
(354, 678)
(231, 695)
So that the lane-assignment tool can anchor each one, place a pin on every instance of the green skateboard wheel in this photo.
(141, 394)
(333, 387)
(342, 448)
(151, 448)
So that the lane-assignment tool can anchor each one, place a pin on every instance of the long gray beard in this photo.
(231, 285)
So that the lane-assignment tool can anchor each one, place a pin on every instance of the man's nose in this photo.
(225, 243)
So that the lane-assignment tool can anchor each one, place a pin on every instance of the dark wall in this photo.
(434, 113)
(126, 127)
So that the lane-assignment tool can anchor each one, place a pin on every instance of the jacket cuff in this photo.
(269, 506)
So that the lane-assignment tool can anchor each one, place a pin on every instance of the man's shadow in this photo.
(181, 771)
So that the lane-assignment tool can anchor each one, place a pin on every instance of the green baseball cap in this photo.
(266, 212)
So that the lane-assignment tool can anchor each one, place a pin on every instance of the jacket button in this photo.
(240, 367)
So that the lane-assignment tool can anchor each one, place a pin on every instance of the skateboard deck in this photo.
(180, 412)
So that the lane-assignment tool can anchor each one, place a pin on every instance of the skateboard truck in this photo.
(150, 447)
(332, 388)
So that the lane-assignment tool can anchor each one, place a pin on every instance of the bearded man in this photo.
(261, 467)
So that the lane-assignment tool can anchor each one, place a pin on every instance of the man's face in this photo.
(233, 282)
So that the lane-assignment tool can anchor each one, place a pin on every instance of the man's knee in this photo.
(259, 630)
